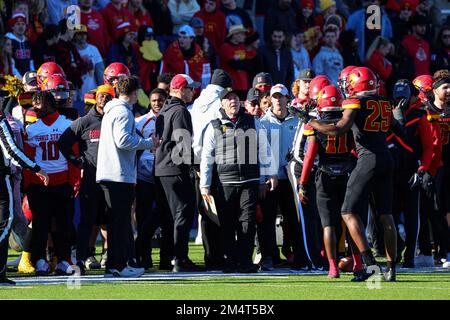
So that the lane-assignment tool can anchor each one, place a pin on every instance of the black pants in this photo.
(119, 199)
(281, 197)
(211, 239)
(93, 206)
(6, 218)
(152, 212)
(236, 207)
(47, 203)
(180, 196)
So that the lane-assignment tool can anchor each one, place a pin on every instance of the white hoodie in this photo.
(206, 108)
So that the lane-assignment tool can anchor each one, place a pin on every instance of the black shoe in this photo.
(252, 268)
(390, 275)
(300, 267)
(186, 265)
(146, 262)
(360, 276)
(4, 281)
(165, 266)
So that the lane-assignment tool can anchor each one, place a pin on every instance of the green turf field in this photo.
(434, 286)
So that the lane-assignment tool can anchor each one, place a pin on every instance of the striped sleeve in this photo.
(351, 104)
(11, 150)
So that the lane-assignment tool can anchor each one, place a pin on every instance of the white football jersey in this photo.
(45, 139)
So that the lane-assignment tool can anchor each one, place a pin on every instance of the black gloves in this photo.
(301, 114)
(424, 180)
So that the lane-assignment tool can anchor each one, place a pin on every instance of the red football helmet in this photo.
(342, 81)
(329, 99)
(114, 70)
(317, 84)
(424, 84)
(361, 79)
(26, 209)
(58, 86)
(48, 69)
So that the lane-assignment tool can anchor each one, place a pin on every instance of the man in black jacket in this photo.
(172, 164)
(86, 132)
(276, 59)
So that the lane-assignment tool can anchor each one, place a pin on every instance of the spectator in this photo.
(34, 25)
(252, 103)
(184, 55)
(239, 177)
(300, 56)
(275, 58)
(417, 45)
(200, 38)
(6, 54)
(252, 42)
(365, 36)
(115, 14)
(305, 15)
(90, 54)
(281, 17)
(97, 28)
(264, 101)
(423, 10)
(149, 58)
(233, 58)
(182, 12)
(164, 81)
(52, 200)
(44, 49)
(123, 50)
(300, 88)
(21, 48)
(349, 45)
(401, 22)
(116, 173)
(141, 15)
(235, 15)
(327, 8)
(402, 66)
(263, 82)
(440, 57)
(162, 21)
(329, 61)
(69, 58)
(174, 123)
(377, 62)
(57, 9)
(85, 132)
(214, 21)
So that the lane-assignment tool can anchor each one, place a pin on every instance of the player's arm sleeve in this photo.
(350, 107)
(12, 151)
(308, 162)
(426, 138)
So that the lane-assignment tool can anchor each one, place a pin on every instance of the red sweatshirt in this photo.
(215, 27)
(419, 50)
(113, 17)
(97, 31)
(174, 61)
(227, 53)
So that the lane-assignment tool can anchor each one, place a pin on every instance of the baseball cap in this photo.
(262, 78)
(196, 22)
(279, 88)
(30, 78)
(236, 28)
(16, 17)
(181, 81)
(306, 74)
(253, 95)
(226, 92)
(186, 31)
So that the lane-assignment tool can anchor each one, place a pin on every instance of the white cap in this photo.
(186, 31)
(279, 88)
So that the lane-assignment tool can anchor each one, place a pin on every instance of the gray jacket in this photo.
(118, 144)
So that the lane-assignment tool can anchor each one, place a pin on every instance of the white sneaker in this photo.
(42, 267)
(64, 268)
(446, 264)
(92, 263)
(104, 259)
(422, 261)
(257, 258)
(128, 272)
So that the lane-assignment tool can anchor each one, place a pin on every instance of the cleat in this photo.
(64, 269)
(25, 266)
(104, 259)
(92, 263)
(127, 272)
(42, 268)
(186, 265)
(360, 276)
(390, 275)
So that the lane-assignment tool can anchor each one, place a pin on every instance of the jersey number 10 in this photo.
(380, 118)
(50, 150)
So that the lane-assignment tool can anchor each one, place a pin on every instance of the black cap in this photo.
(30, 77)
(306, 74)
(221, 78)
(253, 95)
(262, 77)
(252, 37)
(226, 92)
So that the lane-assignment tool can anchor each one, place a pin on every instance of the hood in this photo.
(12, 36)
(172, 102)
(208, 95)
(113, 104)
(93, 112)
